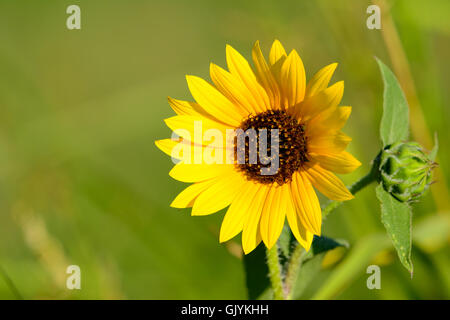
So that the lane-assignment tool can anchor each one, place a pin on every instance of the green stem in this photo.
(275, 272)
(293, 268)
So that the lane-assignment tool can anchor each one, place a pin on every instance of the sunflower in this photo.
(272, 95)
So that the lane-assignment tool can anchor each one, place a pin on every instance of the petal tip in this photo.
(224, 236)
(172, 172)
(175, 204)
(247, 250)
(159, 144)
(190, 78)
(339, 84)
(270, 243)
(256, 45)
(293, 54)
(229, 49)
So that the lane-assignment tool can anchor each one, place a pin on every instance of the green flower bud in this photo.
(405, 171)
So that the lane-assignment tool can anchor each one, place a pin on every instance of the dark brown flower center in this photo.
(292, 147)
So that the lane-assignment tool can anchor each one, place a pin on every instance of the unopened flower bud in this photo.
(405, 171)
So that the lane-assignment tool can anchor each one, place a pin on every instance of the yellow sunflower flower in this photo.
(272, 95)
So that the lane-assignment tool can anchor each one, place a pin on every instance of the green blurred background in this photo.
(81, 181)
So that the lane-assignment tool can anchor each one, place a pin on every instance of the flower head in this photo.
(266, 182)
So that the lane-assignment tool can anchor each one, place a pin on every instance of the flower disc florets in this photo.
(292, 143)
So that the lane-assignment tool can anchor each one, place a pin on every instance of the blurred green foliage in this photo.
(81, 181)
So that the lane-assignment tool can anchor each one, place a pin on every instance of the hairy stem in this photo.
(275, 272)
(293, 268)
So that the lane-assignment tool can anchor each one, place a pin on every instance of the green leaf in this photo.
(396, 217)
(256, 272)
(395, 120)
(434, 151)
(307, 273)
(324, 244)
(311, 262)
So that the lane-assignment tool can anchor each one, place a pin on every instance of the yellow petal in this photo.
(250, 235)
(196, 153)
(234, 219)
(272, 217)
(328, 184)
(334, 142)
(219, 195)
(342, 162)
(265, 77)
(293, 79)
(197, 172)
(332, 119)
(213, 102)
(303, 236)
(320, 80)
(323, 100)
(277, 52)
(206, 147)
(187, 108)
(188, 126)
(277, 56)
(240, 68)
(167, 145)
(233, 88)
(306, 202)
(186, 198)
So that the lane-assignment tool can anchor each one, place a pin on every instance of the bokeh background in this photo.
(81, 181)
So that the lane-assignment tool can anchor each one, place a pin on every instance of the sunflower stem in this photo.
(293, 268)
(275, 272)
